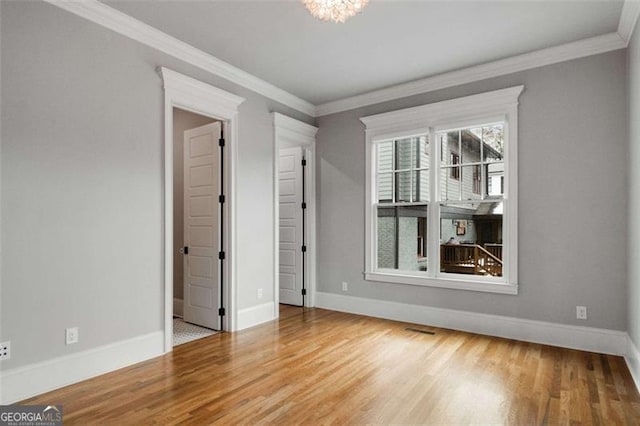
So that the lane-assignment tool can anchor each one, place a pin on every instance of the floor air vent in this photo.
(417, 330)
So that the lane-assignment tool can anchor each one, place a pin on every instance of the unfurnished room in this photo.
(319, 212)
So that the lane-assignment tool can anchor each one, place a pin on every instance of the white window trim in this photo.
(499, 105)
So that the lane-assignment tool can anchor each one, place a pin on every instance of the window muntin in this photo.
(477, 156)
(469, 207)
(498, 183)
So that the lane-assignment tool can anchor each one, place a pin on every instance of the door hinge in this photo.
(185, 250)
(304, 205)
(221, 142)
(304, 249)
(304, 161)
(221, 312)
(221, 255)
(221, 199)
(304, 291)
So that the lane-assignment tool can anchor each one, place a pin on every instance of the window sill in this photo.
(482, 286)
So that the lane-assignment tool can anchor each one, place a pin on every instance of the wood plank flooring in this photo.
(324, 367)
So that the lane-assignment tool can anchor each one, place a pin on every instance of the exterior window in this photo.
(403, 192)
(455, 171)
(464, 248)
(439, 214)
(477, 179)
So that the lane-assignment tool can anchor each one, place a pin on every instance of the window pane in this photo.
(450, 183)
(449, 148)
(493, 139)
(421, 185)
(470, 151)
(477, 179)
(470, 180)
(495, 179)
(403, 187)
(423, 152)
(471, 238)
(385, 187)
(405, 154)
(402, 238)
(386, 238)
(385, 156)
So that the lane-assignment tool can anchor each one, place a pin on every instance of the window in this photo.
(441, 199)
(455, 171)
(477, 179)
(403, 191)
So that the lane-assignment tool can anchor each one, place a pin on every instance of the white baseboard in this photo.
(566, 336)
(31, 380)
(178, 307)
(255, 315)
(633, 361)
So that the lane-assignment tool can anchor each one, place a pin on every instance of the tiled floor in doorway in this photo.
(184, 332)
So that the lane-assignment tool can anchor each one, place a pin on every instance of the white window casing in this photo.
(427, 120)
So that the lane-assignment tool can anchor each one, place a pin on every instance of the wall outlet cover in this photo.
(72, 335)
(581, 312)
(5, 351)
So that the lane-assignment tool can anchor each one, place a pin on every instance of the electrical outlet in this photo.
(259, 293)
(5, 351)
(581, 312)
(72, 335)
(345, 286)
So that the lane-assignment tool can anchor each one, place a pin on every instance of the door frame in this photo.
(181, 91)
(289, 132)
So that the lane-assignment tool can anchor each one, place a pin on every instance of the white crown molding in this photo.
(628, 19)
(538, 58)
(547, 333)
(128, 26)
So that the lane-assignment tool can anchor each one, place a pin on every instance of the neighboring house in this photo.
(472, 173)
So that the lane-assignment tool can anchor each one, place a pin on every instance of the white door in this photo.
(290, 184)
(201, 225)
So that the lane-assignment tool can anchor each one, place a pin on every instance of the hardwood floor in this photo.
(324, 367)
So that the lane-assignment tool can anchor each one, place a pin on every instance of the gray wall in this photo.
(634, 186)
(82, 184)
(572, 189)
(182, 120)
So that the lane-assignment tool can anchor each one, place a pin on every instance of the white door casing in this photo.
(181, 91)
(290, 231)
(288, 133)
(202, 225)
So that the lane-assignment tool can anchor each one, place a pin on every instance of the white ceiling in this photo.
(390, 42)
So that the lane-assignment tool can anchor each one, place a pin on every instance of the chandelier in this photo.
(334, 10)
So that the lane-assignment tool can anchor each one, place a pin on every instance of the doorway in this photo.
(293, 224)
(196, 225)
(294, 189)
(186, 93)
